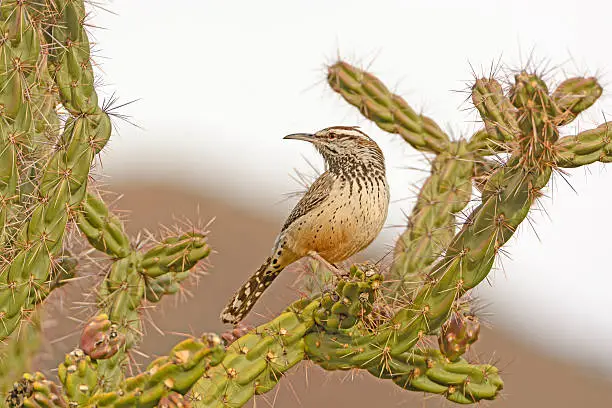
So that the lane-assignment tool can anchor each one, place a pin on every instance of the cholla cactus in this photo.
(51, 130)
(45, 167)
(373, 320)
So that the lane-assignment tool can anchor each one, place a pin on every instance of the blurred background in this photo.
(216, 85)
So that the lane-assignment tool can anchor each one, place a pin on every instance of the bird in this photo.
(340, 214)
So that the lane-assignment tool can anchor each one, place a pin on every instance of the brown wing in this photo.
(316, 194)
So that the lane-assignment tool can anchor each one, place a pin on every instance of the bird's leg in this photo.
(332, 268)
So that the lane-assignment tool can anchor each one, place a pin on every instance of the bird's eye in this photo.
(331, 136)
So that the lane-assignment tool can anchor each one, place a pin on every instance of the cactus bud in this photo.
(100, 338)
(457, 333)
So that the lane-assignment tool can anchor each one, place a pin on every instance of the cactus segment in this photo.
(103, 230)
(498, 114)
(389, 111)
(166, 265)
(78, 376)
(350, 302)
(585, 148)
(573, 96)
(134, 277)
(431, 225)
(188, 361)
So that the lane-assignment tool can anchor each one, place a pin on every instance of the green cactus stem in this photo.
(187, 362)
(134, 277)
(585, 148)
(17, 352)
(389, 111)
(498, 114)
(573, 96)
(103, 230)
(64, 175)
(26, 278)
(432, 222)
(19, 51)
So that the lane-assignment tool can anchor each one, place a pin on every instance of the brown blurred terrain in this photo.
(242, 241)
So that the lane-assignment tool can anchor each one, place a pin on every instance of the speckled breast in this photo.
(347, 221)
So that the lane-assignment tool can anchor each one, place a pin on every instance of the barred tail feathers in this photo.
(246, 297)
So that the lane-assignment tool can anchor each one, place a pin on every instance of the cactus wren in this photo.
(340, 214)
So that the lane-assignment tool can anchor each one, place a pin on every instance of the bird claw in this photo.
(338, 273)
(238, 331)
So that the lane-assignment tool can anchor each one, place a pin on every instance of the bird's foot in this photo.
(331, 267)
(238, 331)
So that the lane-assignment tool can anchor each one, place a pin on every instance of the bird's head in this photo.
(342, 143)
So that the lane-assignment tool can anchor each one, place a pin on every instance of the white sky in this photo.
(221, 82)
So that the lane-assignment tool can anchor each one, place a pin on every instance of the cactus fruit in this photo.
(100, 338)
(51, 129)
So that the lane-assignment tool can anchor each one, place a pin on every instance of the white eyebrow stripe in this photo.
(346, 132)
(352, 132)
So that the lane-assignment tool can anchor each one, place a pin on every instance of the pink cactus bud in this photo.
(100, 338)
(457, 333)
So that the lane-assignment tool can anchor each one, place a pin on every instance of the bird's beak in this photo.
(307, 137)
